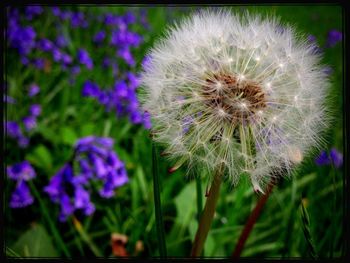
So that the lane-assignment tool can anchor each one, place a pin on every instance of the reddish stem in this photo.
(251, 221)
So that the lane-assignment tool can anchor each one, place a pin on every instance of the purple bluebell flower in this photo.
(56, 54)
(21, 171)
(96, 160)
(34, 10)
(135, 117)
(56, 11)
(34, 89)
(336, 157)
(29, 122)
(334, 36)
(84, 58)
(125, 54)
(66, 59)
(21, 38)
(99, 37)
(147, 120)
(78, 20)
(24, 60)
(129, 18)
(65, 15)
(23, 141)
(67, 207)
(61, 41)
(39, 63)
(13, 130)
(21, 197)
(111, 20)
(134, 81)
(146, 61)
(106, 62)
(45, 45)
(9, 99)
(90, 89)
(35, 110)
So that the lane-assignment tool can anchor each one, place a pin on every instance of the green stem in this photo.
(51, 224)
(157, 203)
(207, 216)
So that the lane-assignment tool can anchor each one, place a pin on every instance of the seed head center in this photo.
(234, 97)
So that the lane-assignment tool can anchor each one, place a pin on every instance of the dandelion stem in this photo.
(207, 215)
(251, 221)
(157, 204)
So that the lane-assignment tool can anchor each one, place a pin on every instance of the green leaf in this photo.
(185, 204)
(35, 243)
(87, 129)
(40, 157)
(69, 136)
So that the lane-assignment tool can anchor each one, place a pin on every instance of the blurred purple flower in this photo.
(21, 171)
(29, 122)
(31, 11)
(66, 59)
(84, 58)
(99, 37)
(78, 20)
(34, 89)
(21, 196)
(57, 54)
(90, 89)
(13, 130)
(45, 45)
(23, 141)
(9, 99)
(35, 110)
(334, 157)
(147, 120)
(56, 11)
(334, 36)
(39, 63)
(96, 160)
(125, 54)
(61, 41)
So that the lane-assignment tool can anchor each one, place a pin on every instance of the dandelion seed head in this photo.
(255, 95)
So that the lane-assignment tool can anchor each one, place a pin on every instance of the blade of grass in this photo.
(86, 238)
(306, 229)
(52, 226)
(157, 203)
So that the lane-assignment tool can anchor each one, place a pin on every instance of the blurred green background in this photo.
(67, 115)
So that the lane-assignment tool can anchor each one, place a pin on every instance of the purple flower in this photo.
(146, 61)
(336, 157)
(90, 89)
(78, 20)
(334, 36)
(84, 58)
(45, 45)
(23, 141)
(21, 196)
(57, 55)
(66, 59)
(13, 129)
(31, 11)
(21, 171)
(39, 63)
(125, 54)
(61, 41)
(9, 99)
(134, 81)
(33, 90)
(35, 110)
(147, 120)
(67, 208)
(56, 11)
(29, 122)
(99, 37)
(96, 161)
(129, 18)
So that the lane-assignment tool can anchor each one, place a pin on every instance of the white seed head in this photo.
(247, 88)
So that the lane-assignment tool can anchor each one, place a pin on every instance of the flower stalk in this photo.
(207, 215)
(251, 221)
